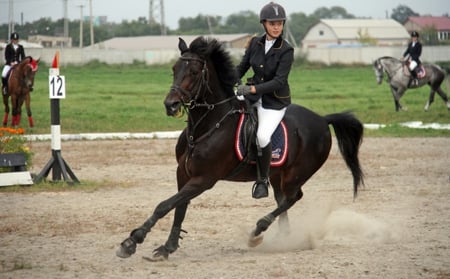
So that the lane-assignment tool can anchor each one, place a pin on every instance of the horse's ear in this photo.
(182, 46)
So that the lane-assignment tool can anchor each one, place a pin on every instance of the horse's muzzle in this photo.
(173, 108)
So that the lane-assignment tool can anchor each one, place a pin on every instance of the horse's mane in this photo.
(391, 58)
(213, 50)
(29, 60)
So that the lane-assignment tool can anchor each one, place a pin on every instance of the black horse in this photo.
(203, 85)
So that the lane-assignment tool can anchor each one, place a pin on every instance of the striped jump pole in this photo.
(60, 168)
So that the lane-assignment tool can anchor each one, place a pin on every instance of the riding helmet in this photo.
(14, 36)
(272, 12)
(414, 34)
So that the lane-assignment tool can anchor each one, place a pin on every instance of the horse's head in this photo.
(379, 70)
(203, 68)
(190, 78)
(28, 68)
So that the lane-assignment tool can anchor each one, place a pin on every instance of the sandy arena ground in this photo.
(398, 227)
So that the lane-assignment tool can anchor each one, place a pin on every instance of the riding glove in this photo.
(243, 90)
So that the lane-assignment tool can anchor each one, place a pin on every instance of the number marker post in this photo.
(57, 91)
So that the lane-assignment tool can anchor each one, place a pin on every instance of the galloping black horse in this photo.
(203, 85)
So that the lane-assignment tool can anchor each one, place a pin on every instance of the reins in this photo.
(202, 87)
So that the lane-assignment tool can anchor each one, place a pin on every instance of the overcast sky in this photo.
(118, 10)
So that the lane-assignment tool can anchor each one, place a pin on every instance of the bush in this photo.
(13, 141)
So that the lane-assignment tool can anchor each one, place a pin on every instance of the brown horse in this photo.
(20, 84)
(203, 84)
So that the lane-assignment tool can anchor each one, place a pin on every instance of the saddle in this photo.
(245, 141)
(420, 70)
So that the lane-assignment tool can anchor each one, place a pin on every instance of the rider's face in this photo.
(274, 28)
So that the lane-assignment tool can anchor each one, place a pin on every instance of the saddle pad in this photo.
(279, 143)
(422, 72)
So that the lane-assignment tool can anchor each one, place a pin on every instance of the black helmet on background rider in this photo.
(272, 12)
(414, 34)
(14, 36)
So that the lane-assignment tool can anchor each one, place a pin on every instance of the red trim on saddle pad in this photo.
(279, 143)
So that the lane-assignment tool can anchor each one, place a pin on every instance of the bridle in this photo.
(201, 87)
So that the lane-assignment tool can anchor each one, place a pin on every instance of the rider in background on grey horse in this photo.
(270, 58)
(412, 55)
(14, 54)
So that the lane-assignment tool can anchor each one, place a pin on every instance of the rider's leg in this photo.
(413, 81)
(268, 121)
(260, 188)
(5, 71)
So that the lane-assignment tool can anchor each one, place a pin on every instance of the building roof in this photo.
(375, 28)
(438, 22)
(160, 42)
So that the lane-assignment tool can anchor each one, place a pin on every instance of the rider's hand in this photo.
(243, 90)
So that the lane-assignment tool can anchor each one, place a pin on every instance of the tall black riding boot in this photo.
(413, 81)
(260, 188)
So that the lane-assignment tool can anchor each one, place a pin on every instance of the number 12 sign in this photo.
(57, 86)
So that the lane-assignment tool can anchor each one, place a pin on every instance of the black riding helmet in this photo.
(14, 36)
(272, 12)
(414, 34)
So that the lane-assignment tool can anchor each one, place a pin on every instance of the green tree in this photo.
(299, 24)
(334, 12)
(401, 13)
(242, 22)
(201, 24)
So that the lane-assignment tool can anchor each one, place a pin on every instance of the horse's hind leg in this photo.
(444, 97)
(264, 223)
(430, 100)
(283, 220)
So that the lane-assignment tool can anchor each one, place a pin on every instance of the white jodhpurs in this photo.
(412, 65)
(5, 70)
(268, 120)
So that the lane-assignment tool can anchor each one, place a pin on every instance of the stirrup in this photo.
(260, 189)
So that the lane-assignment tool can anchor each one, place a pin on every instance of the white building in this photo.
(355, 33)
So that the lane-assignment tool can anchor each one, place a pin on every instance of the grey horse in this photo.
(398, 77)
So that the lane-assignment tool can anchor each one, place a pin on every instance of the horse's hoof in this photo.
(121, 253)
(127, 248)
(155, 258)
(160, 254)
(254, 241)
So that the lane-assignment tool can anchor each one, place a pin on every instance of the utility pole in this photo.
(66, 20)
(152, 17)
(91, 22)
(11, 18)
(81, 25)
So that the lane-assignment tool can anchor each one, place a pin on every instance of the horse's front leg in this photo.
(171, 245)
(28, 107)
(397, 93)
(5, 103)
(180, 200)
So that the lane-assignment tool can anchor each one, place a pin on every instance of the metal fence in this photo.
(342, 55)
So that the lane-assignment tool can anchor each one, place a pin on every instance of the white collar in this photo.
(269, 44)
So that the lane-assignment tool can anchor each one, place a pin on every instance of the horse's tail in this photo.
(349, 133)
